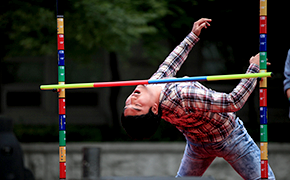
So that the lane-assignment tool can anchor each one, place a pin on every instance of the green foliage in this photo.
(30, 29)
(112, 24)
(37, 34)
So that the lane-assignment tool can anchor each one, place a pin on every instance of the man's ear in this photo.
(155, 108)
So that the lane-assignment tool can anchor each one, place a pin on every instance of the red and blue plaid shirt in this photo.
(201, 114)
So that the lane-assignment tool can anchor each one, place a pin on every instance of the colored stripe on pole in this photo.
(263, 97)
(264, 150)
(263, 81)
(155, 81)
(60, 27)
(61, 73)
(263, 133)
(62, 138)
(61, 106)
(62, 154)
(263, 42)
(263, 7)
(263, 60)
(61, 93)
(60, 42)
(264, 169)
(60, 57)
(263, 24)
(62, 122)
(263, 115)
(62, 170)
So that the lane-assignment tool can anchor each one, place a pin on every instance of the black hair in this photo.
(142, 126)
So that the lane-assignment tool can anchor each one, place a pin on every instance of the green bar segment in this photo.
(62, 138)
(264, 133)
(61, 74)
(263, 60)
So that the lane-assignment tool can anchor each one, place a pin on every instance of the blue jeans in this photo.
(238, 149)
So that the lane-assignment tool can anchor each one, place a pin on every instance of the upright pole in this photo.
(263, 91)
(61, 95)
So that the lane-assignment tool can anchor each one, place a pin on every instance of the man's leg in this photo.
(244, 155)
(195, 161)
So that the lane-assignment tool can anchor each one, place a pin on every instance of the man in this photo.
(286, 81)
(205, 117)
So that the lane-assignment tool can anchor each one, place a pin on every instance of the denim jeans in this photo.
(238, 149)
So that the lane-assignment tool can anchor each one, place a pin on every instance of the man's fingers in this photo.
(203, 25)
(203, 20)
(207, 23)
(200, 24)
(268, 63)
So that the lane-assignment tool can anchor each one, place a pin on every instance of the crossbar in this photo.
(154, 81)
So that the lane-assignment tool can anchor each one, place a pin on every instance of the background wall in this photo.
(137, 159)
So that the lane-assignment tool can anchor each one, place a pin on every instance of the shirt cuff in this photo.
(192, 38)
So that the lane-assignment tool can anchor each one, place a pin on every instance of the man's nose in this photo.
(129, 100)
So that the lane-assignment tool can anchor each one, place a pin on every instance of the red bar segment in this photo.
(263, 24)
(60, 42)
(62, 170)
(264, 169)
(120, 83)
(263, 97)
(61, 105)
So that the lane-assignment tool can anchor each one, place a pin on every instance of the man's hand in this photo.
(256, 60)
(199, 25)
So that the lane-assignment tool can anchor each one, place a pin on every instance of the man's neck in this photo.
(155, 90)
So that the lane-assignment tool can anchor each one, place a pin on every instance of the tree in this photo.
(114, 25)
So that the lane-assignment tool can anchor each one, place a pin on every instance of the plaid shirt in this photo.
(201, 114)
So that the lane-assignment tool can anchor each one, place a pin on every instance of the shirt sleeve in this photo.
(176, 58)
(286, 82)
(203, 99)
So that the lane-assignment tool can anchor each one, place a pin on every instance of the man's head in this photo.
(141, 100)
(142, 114)
(141, 127)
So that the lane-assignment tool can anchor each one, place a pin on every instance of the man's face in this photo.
(139, 102)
